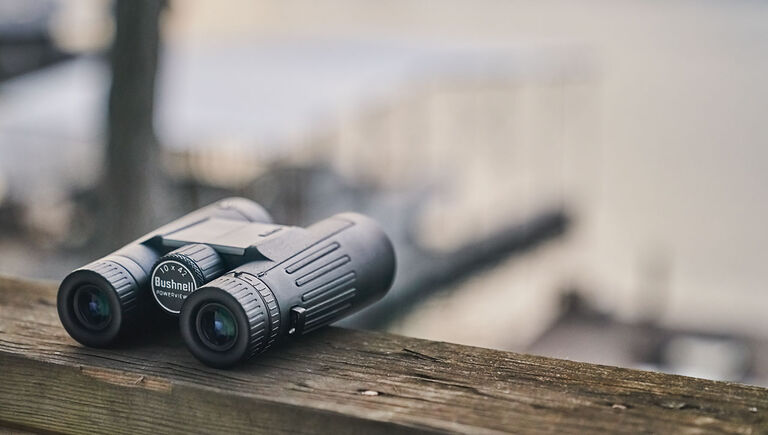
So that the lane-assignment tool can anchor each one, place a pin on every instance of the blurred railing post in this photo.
(132, 174)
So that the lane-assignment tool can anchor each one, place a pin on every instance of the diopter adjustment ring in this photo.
(260, 307)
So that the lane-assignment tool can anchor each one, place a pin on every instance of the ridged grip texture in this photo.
(121, 281)
(204, 262)
(327, 283)
(260, 308)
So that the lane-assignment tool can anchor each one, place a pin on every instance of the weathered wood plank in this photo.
(336, 380)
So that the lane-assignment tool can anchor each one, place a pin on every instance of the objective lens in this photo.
(216, 327)
(92, 307)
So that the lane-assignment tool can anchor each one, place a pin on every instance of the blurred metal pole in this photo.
(132, 168)
(422, 274)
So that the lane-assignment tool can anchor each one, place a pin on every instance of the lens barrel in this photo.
(248, 320)
(315, 276)
(96, 302)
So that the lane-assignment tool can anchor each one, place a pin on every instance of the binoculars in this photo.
(238, 283)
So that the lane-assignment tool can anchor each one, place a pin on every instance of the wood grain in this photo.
(335, 381)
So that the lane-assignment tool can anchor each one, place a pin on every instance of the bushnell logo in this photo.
(172, 282)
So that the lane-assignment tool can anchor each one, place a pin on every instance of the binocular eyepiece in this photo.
(238, 283)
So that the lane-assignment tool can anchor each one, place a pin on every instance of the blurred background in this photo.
(584, 180)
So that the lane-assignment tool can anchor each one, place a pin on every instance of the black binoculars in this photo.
(238, 283)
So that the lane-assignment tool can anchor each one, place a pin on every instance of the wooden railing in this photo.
(335, 381)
